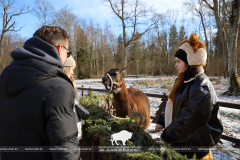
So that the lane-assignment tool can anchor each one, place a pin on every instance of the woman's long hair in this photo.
(189, 72)
(67, 71)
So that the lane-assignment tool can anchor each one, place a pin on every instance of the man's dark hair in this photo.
(52, 35)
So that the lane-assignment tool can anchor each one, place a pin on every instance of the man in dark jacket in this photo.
(37, 99)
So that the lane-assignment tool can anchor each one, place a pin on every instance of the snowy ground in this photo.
(160, 85)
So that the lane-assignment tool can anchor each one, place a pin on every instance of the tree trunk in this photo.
(137, 69)
(125, 54)
(234, 88)
(97, 64)
(1, 44)
(103, 51)
(137, 63)
(168, 64)
(218, 58)
(1, 53)
(103, 64)
(125, 61)
(222, 33)
(160, 62)
(146, 64)
(210, 54)
(91, 63)
(152, 60)
(147, 50)
(124, 41)
(206, 40)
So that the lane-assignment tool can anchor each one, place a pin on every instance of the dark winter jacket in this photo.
(36, 105)
(196, 121)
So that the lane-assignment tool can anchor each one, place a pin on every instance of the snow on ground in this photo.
(161, 85)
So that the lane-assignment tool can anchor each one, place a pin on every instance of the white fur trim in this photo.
(197, 58)
(168, 113)
(189, 80)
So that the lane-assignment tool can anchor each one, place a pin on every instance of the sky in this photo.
(95, 10)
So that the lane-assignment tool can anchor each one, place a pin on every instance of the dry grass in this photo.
(134, 83)
(231, 115)
(223, 149)
(218, 82)
(160, 82)
(166, 87)
(165, 84)
(224, 82)
(146, 83)
(213, 79)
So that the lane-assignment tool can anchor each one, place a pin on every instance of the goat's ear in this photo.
(123, 70)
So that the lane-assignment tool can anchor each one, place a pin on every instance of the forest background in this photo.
(142, 37)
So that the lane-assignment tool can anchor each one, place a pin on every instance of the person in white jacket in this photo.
(68, 69)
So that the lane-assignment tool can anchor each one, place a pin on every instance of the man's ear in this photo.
(123, 70)
(59, 48)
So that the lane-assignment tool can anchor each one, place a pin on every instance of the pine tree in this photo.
(182, 34)
(118, 57)
(83, 58)
(173, 47)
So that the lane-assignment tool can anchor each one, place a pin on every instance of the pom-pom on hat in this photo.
(195, 49)
(70, 62)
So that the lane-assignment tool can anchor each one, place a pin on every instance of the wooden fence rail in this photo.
(164, 99)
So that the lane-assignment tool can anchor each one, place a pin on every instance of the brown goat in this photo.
(127, 100)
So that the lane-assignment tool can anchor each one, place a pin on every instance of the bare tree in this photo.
(67, 20)
(92, 42)
(130, 13)
(9, 11)
(166, 22)
(12, 41)
(199, 9)
(231, 44)
(104, 44)
(135, 56)
(112, 49)
(162, 41)
(98, 48)
(43, 9)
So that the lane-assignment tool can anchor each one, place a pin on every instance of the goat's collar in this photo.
(116, 84)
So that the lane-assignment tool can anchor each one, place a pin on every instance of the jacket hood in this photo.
(38, 49)
(36, 61)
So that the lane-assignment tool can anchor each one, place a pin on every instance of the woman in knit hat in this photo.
(191, 118)
(68, 68)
